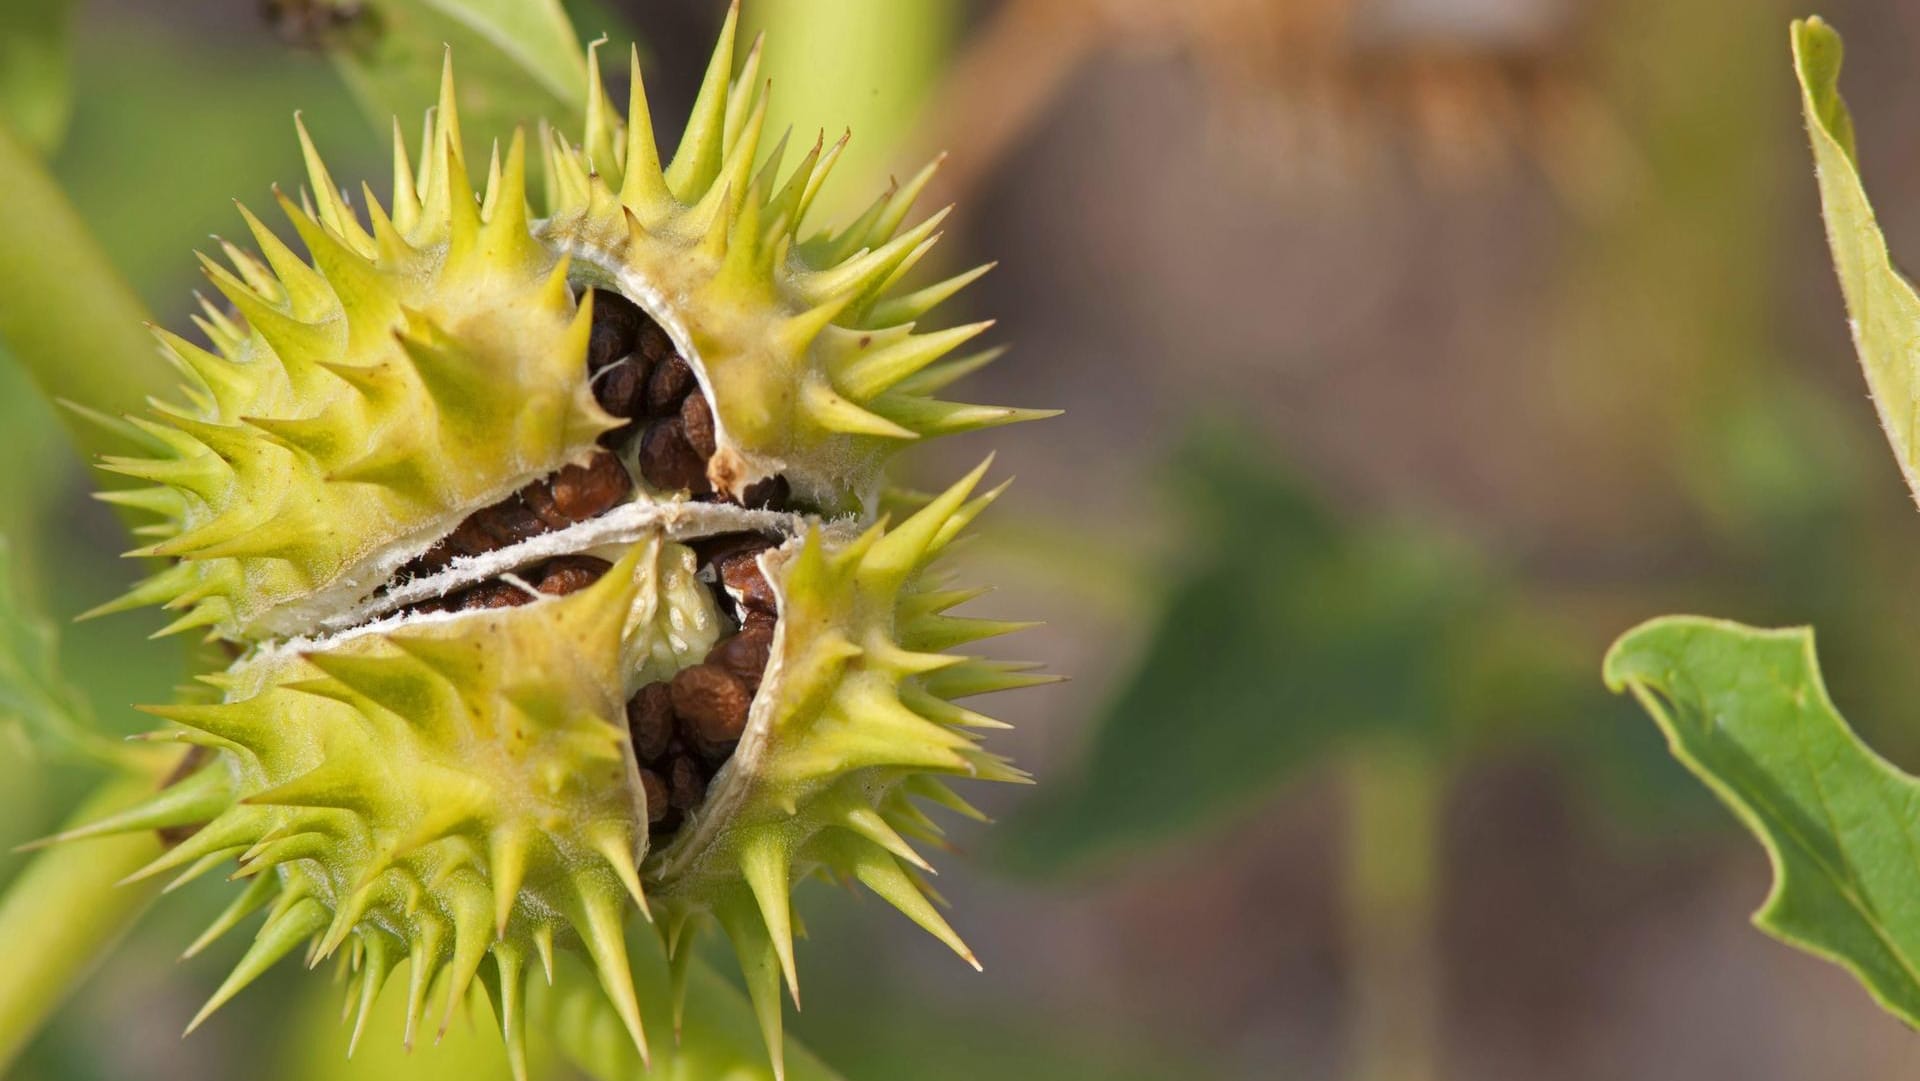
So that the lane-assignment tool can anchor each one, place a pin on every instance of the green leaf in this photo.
(103, 358)
(1285, 634)
(519, 62)
(36, 70)
(230, 109)
(1745, 710)
(34, 697)
(1885, 311)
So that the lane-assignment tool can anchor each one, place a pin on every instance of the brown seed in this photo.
(605, 347)
(687, 784)
(668, 461)
(712, 753)
(669, 382)
(740, 573)
(427, 562)
(654, 343)
(578, 492)
(616, 329)
(436, 604)
(656, 793)
(697, 417)
(712, 702)
(493, 593)
(574, 494)
(650, 721)
(621, 388)
(506, 523)
(726, 545)
(771, 493)
(570, 574)
(745, 654)
(470, 537)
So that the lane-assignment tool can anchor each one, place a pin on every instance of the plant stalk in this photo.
(65, 313)
(887, 57)
(1395, 791)
(66, 911)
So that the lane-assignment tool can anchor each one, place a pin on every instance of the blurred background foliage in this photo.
(1412, 349)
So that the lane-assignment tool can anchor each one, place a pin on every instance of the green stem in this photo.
(66, 911)
(65, 312)
(886, 56)
(1391, 876)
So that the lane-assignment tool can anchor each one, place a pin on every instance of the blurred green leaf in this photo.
(156, 95)
(33, 433)
(103, 359)
(34, 696)
(36, 69)
(519, 61)
(1284, 633)
(1745, 710)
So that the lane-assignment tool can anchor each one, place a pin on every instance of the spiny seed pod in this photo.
(806, 348)
(428, 362)
(549, 555)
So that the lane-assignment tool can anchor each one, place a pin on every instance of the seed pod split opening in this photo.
(550, 553)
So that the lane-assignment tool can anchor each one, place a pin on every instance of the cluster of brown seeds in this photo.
(684, 729)
(638, 376)
(555, 577)
(568, 497)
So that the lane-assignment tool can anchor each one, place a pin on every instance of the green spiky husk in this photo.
(459, 789)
